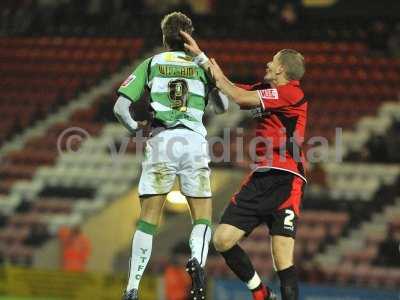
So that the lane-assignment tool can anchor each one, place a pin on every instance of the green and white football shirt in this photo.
(178, 89)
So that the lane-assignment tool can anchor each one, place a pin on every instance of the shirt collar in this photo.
(291, 83)
(294, 82)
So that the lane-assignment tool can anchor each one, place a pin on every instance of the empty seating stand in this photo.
(43, 150)
(22, 165)
(40, 74)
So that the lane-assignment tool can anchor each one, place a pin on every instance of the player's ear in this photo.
(280, 69)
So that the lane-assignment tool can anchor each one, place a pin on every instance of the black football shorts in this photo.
(272, 197)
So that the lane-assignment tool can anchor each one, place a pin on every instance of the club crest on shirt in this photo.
(128, 80)
(269, 94)
(172, 57)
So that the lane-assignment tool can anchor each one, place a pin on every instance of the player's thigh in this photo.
(282, 228)
(157, 178)
(200, 208)
(194, 172)
(242, 210)
(226, 236)
(151, 208)
(195, 181)
(158, 170)
(282, 250)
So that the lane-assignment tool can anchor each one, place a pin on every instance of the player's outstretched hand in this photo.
(190, 44)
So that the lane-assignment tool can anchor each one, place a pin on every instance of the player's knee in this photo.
(222, 242)
(151, 209)
(282, 262)
(200, 208)
(151, 215)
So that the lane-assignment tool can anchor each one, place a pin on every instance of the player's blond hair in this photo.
(171, 25)
(293, 63)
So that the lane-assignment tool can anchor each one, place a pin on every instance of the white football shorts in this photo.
(176, 151)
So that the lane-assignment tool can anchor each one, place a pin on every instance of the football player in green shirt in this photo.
(179, 91)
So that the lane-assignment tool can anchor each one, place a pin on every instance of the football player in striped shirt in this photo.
(179, 91)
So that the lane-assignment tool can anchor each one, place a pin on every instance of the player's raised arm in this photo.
(194, 50)
(240, 96)
(219, 100)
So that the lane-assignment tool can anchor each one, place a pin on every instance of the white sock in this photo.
(141, 252)
(254, 282)
(199, 242)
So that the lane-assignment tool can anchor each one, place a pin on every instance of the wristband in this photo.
(201, 59)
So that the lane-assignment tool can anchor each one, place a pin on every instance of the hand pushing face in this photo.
(190, 44)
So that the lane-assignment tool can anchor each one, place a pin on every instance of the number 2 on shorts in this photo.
(289, 218)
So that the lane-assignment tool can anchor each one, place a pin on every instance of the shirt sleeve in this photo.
(121, 111)
(275, 98)
(133, 87)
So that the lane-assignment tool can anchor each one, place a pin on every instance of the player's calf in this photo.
(289, 284)
(282, 253)
(199, 241)
(141, 251)
(239, 262)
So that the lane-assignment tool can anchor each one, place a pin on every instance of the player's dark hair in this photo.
(293, 62)
(171, 25)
